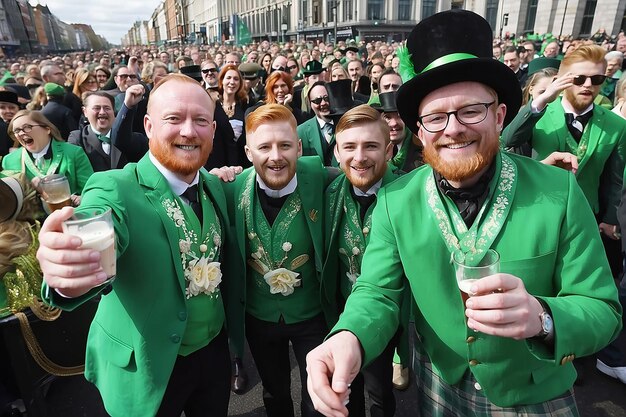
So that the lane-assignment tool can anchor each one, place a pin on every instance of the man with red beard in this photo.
(362, 150)
(596, 137)
(506, 350)
(158, 344)
(278, 218)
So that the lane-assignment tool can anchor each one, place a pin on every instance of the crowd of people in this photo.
(314, 196)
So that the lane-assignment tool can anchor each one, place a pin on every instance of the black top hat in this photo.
(450, 47)
(313, 67)
(192, 71)
(340, 97)
(9, 97)
(387, 102)
(12, 196)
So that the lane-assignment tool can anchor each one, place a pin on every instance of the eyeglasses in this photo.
(97, 109)
(207, 70)
(595, 79)
(25, 129)
(466, 115)
(292, 67)
(318, 100)
(125, 76)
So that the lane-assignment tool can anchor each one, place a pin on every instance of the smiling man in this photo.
(278, 217)
(507, 350)
(97, 139)
(362, 150)
(158, 344)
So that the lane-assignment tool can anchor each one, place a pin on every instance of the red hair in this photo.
(241, 96)
(272, 80)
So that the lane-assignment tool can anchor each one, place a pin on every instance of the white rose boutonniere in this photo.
(204, 277)
(282, 281)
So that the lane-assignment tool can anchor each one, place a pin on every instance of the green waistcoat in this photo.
(205, 312)
(287, 244)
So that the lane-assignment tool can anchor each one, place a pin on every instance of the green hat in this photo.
(249, 70)
(53, 89)
(538, 64)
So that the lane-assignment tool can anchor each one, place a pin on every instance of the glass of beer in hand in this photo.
(55, 191)
(95, 229)
(467, 274)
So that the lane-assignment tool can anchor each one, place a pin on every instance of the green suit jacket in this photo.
(549, 240)
(74, 164)
(601, 169)
(136, 334)
(312, 178)
(311, 136)
(330, 286)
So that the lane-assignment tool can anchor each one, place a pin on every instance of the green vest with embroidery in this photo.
(352, 240)
(274, 255)
(205, 309)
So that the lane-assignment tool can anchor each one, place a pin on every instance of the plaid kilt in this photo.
(436, 398)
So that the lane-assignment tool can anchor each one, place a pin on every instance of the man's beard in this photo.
(461, 169)
(576, 101)
(177, 165)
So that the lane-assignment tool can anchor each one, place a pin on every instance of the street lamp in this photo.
(335, 19)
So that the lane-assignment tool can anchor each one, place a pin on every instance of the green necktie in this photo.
(104, 138)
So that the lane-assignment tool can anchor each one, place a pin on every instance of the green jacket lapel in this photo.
(311, 184)
(596, 129)
(557, 119)
(156, 189)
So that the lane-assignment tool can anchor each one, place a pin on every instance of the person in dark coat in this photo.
(55, 111)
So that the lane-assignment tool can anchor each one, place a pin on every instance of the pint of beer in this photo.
(467, 274)
(55, 191)
(95, 228)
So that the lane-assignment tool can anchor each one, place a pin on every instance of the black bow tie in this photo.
(191, 194)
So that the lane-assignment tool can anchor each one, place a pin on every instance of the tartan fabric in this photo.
(436, 398)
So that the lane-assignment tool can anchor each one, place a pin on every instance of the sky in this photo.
(109, 18)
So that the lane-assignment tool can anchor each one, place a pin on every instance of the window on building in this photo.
(375, 9)
(491, 13)
(348, 10)
(531, 14)
(457, 4)
(587, 22)
(404, 9)
(429, 8)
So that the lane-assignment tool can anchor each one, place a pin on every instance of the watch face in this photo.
(546, 323)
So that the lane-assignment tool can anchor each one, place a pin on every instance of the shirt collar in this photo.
(41, 153)
(322, 122)
(108, 134)
(177, 185)
(372, 191)
(288, 189)
(569, 109)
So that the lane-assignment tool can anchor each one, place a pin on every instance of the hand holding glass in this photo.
(55, 191)
(95, 228)
(466, 275)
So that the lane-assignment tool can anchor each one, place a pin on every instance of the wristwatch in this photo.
(547, 324)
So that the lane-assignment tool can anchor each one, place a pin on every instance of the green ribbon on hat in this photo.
(447, 59)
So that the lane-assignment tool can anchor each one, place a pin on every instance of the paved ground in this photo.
(599, 396)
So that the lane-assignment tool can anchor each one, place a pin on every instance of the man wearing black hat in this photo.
(318, 132)
(55, 111)
(8, 107)
(311, 72)
(507, 349)
(407, 155)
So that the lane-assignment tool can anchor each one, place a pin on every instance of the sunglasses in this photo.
(317, 101)
(595, 79)
(283, 69)
(207, 70)
(125, 76)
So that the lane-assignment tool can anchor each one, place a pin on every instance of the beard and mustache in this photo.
(461, 168)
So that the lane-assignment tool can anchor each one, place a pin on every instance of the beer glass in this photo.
(467, 274)
(55, 191)
(95, 228)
